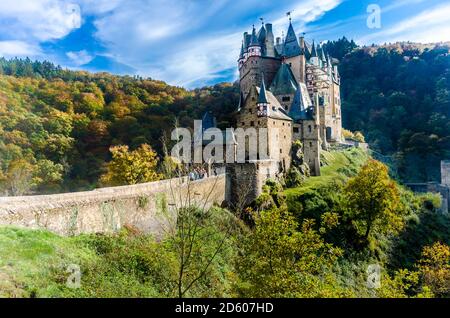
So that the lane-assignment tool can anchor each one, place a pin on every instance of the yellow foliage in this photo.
(434, 266)
(131, 167)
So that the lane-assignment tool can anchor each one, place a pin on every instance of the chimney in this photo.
(278, 40)
(302, 44)
(270, 48)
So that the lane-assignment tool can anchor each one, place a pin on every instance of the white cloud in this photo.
(11, 49)
(173, 40)
(40, 20)
(429, 26)
(79, 58)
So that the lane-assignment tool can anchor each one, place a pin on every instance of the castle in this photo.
(294, 87)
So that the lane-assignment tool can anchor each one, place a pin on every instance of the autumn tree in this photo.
(373, 201)
(434, 267)
(278, 260)
(19, 177)
(131, 167)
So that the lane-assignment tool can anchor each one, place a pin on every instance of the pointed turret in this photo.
(208, 121)
(263, 103)
(254, 39)
(262, 99)
(322, 54)
(291, 47)
(241, 102)
(301, 104)
(241, 55)
(314, 50)
(254, 48)
(314, 55)
(262, 35)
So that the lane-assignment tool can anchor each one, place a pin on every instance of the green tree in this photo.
(373, 201)
(280, 261)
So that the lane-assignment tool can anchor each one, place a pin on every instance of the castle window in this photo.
(283, 124)
(311, 144)
(286, 99)
(309, 129)
(281, 150)
(274, 123)
(274, 109)
(242, 124)
(252, 123)
(296, 130)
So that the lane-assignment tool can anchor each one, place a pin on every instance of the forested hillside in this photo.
(399, 97)
(57, 126)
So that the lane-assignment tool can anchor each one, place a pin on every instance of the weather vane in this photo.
(289, 14)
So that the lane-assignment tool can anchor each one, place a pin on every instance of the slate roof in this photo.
(208, 121)
(301, 104)
(291, 46)
(262, 99)
(254, 39)
(284, 82)
(279, 112)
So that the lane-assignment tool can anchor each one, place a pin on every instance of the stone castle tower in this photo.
(294, 87)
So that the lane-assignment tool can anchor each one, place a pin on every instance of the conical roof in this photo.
(291, 46)
(301, 104)
(262, 35)
(262, 99)
(254, 39)
(284, 82)
(208, 121)
(314, 50)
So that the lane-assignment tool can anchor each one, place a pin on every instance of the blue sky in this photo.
(192, 43)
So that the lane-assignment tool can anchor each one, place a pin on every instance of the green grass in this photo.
(36, 263)
(28, 258)
(338, 166)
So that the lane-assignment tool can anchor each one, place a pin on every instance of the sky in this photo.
(192, 43)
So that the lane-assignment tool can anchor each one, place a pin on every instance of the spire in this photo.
(241, 102)
(291, 46)
(314, 50)
(262, 93)
(322, 54)
(241, 56)
(262, 34)
(208, 121)
(301, 104)
(254, 39)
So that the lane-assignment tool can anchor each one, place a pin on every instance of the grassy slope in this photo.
(338, 166)
(27, 259)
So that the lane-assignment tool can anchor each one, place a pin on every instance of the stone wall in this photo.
(433, 187)
(148, 207)
(445, 172)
